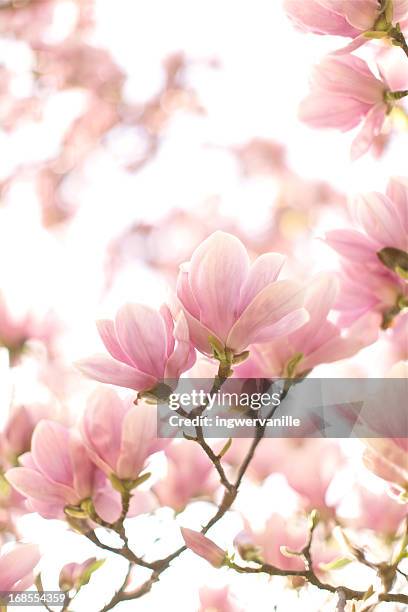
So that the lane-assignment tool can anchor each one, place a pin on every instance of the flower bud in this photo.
(202, 546)
(76, 575)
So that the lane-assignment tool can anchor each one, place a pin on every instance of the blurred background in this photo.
(129, 131)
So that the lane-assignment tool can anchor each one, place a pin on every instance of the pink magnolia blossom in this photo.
(318, 341)
(344, 92)
(350, 18)
(367, 284)
(118, 435)
(17, 566)
(218, 600)
(58, 473)
(16, 330)
(278, 533)
(145, 346)
(203, 547)
(293, 457)
(75, 575)
(234, 303)
(190, 474)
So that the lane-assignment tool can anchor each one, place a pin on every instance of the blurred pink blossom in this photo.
(17, 566)
(225, 298)
(377, 511)
(145, 346)
(118, 435)
(367, 284)
(345, 92)
(218, 600)
(190, 474)
(279, 532)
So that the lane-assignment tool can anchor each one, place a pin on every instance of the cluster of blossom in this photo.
(237, 311)
(345, 92)
(238, 314)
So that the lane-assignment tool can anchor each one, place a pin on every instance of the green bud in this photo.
(335, 565)
(225, 448)
(117, 483)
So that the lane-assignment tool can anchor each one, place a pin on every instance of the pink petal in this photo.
(31, 484)
(397, 191)
(353, 245)
(219, 267)
(371, 128)
(139, 440)
(376, 213)
(107, 370)
(108, 335)
(83, 469)
(271, 305)
(323, 110)
(169, 325)
(264, 271)
(141, 333)
(361, 15)
(183, 356)
(50, 452)
(102, 426)
(355, 44)
(16, 564)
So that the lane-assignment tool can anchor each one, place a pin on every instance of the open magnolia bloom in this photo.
(344, 93)
(230, 304)
(375, 258)
(145, 346)
(357, 19)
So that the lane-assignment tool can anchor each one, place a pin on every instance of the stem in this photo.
(398, 38)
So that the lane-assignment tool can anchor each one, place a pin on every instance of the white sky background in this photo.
(264, 68)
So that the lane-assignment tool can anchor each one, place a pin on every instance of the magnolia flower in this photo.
(351, 18)
(318, 341)
(119, 436)
(145, 346)
(229, 303)
(57, 474)
(190, 474)
(377, 511)
(17, 566)
(268, 545)
(344, 92)
(370, 282)
(203, 547)
(76, 575)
